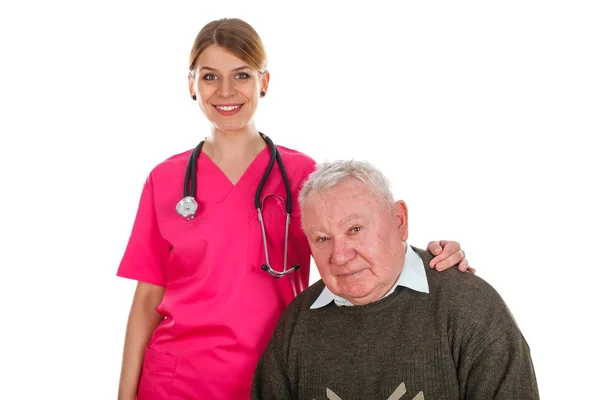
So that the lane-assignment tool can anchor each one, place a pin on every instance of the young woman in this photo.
(209, 267)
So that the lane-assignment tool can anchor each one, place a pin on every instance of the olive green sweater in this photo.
(459, 341)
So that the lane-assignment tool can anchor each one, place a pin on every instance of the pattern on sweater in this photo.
(397, 395)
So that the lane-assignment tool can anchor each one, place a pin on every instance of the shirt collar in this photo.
(412, 276)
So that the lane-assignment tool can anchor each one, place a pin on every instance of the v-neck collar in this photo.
(207, 166)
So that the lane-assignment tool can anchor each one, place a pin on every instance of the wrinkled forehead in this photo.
(347, 192)
(349, 199)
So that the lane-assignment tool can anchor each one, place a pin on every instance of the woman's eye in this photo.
(209, 77)
(242, 75)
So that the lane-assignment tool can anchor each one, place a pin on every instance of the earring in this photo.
(262, 93)
(194, 97)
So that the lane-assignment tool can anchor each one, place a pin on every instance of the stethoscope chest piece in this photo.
(187, 208)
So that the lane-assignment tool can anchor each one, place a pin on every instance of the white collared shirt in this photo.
(412, 276)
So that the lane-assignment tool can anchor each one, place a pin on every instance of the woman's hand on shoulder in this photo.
(447, 254)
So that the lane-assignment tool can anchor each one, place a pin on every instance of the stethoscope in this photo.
(187, 206)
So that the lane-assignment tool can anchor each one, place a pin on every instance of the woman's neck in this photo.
(228, 146)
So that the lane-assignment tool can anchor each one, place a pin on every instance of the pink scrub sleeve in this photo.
(147, 251)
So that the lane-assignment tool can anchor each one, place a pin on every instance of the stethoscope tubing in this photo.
(188, 206)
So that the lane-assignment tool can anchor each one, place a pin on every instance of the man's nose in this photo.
(342, 253)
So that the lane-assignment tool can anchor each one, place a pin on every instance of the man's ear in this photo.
(401, 216)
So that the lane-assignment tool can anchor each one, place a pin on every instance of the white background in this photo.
(482, 114)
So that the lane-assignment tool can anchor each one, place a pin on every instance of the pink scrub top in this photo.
(220, 307)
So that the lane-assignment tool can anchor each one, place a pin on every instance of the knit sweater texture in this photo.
(459, 341)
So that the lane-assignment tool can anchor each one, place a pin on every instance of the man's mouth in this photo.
(350, 274)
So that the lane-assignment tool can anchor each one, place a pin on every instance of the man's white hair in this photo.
(329, 174)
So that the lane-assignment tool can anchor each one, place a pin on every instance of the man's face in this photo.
(357, 242)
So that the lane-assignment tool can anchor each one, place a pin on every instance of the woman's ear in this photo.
(191, 83)
(264, 83)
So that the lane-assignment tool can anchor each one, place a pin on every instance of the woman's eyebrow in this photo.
(234, 70)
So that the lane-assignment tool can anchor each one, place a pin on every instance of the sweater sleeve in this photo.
(502, 370)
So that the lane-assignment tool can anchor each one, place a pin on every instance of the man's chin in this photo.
(358, 296)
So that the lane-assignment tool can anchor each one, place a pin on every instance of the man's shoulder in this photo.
(467, 297)
(453, 282)
(462, 286)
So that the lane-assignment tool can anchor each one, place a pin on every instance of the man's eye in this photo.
(355, 229)
(209, 77)
(322, 239)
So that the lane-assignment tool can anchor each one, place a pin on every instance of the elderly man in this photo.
(379, 325)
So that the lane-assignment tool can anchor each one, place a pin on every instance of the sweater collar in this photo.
(412, 276)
